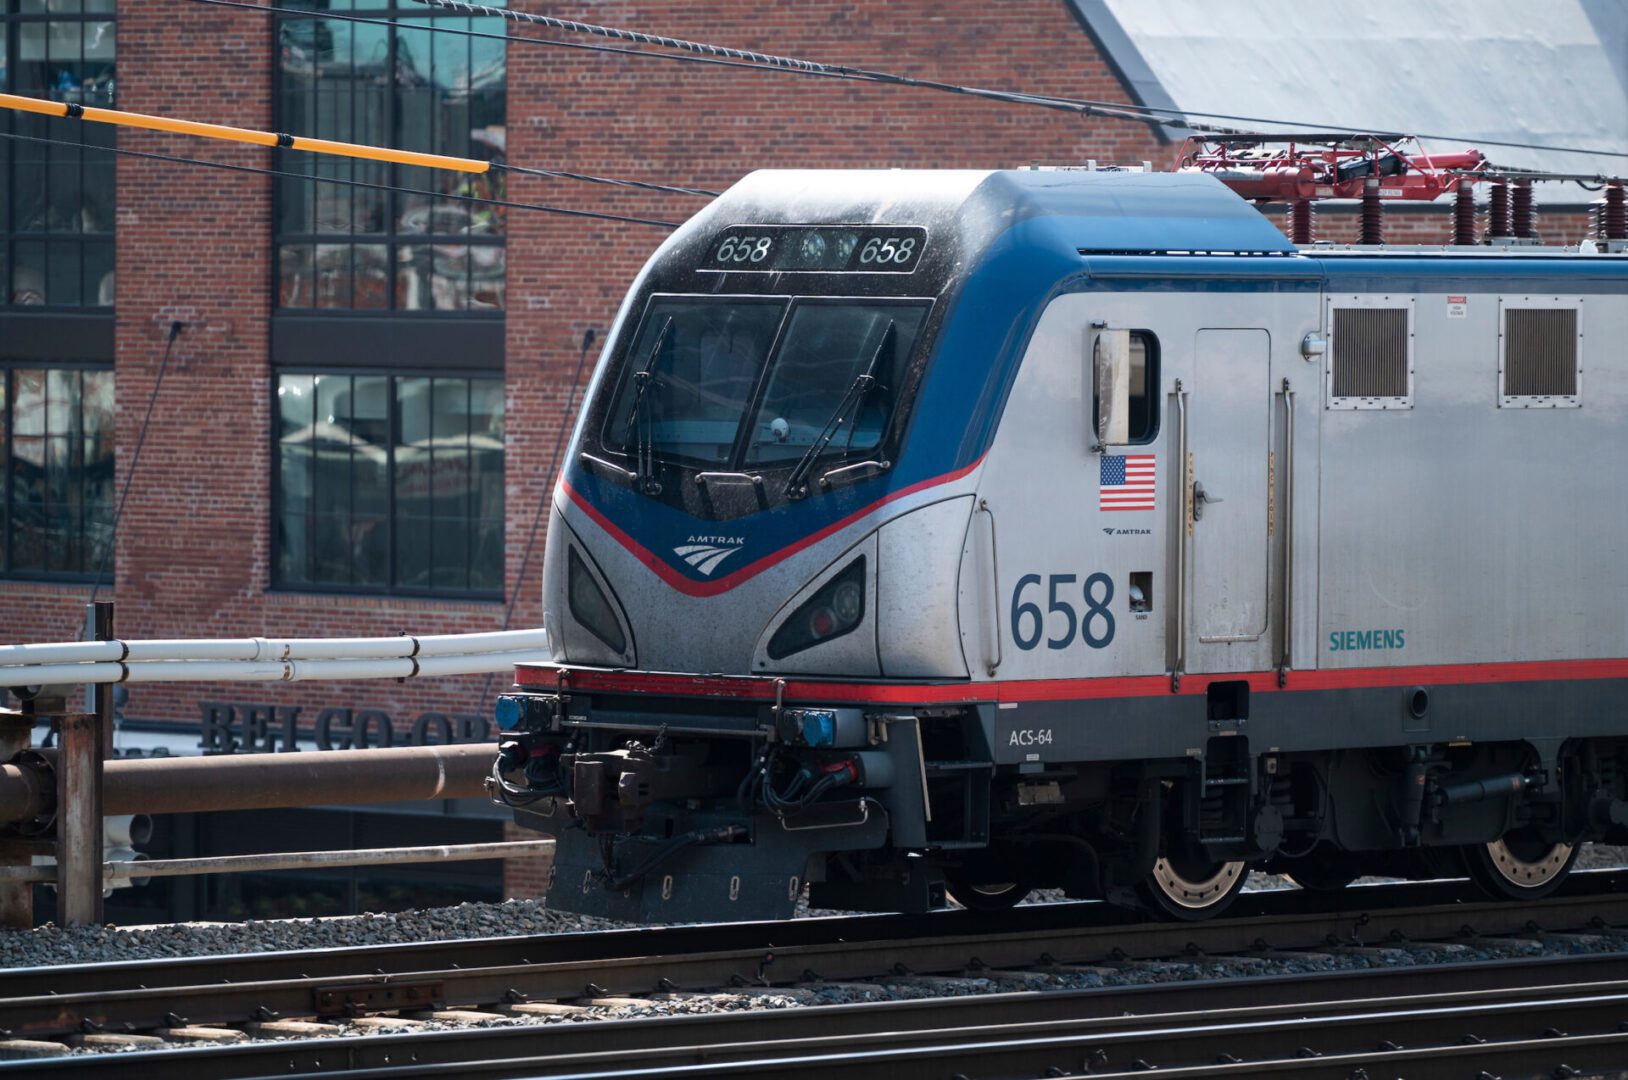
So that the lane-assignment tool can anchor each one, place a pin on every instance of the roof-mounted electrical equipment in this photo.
(1301, 168)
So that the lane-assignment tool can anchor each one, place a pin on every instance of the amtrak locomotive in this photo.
(1001, 530)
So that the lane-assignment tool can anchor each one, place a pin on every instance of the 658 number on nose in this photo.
(1094, 622)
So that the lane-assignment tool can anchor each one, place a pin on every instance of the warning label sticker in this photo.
(1458, 307)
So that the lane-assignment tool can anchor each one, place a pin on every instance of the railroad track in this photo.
(1435, 1022)
(329, 992)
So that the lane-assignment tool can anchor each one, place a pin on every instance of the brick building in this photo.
(353, 426)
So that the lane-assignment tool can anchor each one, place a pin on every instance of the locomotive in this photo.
(986, 531)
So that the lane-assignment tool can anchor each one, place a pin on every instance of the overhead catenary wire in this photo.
(1166, 116)
(796, 65)
(570, 45)
(1151, 114)
(176, 326)
(329, 147)
(482, 199)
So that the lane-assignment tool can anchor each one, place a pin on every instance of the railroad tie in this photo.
(455, 1016)
(109, 1040)
(385, 1023)
(20, 1049)
(197, 1033)
(541, 1008)
(296, 1028)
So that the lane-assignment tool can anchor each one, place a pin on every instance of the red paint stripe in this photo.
(659, 566)
(762, 688)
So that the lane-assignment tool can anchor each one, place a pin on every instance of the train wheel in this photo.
(1517, 867)
(1193, 888)
(988, 896)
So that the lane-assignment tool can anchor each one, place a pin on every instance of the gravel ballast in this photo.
(49, 945)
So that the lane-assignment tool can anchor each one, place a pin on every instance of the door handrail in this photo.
(1184, 487)
(1288, 534)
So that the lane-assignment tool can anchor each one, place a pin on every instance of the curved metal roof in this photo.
(1553, 74)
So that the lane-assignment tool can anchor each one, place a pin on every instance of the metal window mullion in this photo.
(469, 483)
(352, 194)
(434, 515)
(79, 455)
(392, 170)
(275, 480)
(350, 484)
(9, 381)
(76, 461)
(11, 199)
(311, 500)
(79, 216)
(392, 436)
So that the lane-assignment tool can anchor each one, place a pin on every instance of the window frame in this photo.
(90, 139)
(1152, 354)
(1507, 400)
(393, 428)
(622, 367)
(1370, 301)
(8, 507)
(401, 16)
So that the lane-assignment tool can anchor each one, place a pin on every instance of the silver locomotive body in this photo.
(1084, 535)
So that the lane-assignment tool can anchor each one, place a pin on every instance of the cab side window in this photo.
(1144, 412)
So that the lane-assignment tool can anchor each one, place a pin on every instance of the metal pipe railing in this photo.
(293, 860)
(262, 781)
(255, 648)
(406, 667)
(268, 659)
(76, 785)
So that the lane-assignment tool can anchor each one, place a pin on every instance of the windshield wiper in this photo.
(796, 483)
(639, 424)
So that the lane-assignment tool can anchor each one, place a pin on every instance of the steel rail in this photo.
(1105, 1030)
(1286, 919)
(833, 949)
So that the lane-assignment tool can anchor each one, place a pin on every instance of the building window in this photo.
(56, 201)
(58, 509)
(407, 86)
(390, 483)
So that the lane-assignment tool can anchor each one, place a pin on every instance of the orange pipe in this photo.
(245, 135)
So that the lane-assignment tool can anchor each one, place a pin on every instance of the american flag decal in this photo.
(1127, 482)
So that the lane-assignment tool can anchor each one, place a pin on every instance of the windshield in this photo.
(827, 346)
(723, 392)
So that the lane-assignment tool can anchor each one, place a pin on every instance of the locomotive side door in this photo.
(1230, 506)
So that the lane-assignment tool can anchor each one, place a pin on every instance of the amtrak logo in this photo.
(706, 553)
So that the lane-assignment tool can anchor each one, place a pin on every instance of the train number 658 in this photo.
(1095, 625)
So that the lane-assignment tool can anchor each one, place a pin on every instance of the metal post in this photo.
(16, 897)
(79, 819)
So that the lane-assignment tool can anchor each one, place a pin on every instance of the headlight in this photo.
(590, 606)
(835, 610)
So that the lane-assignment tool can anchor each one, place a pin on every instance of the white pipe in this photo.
(274, 649)
(268, 670)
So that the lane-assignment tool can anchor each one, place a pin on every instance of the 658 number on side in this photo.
(1094, 624)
